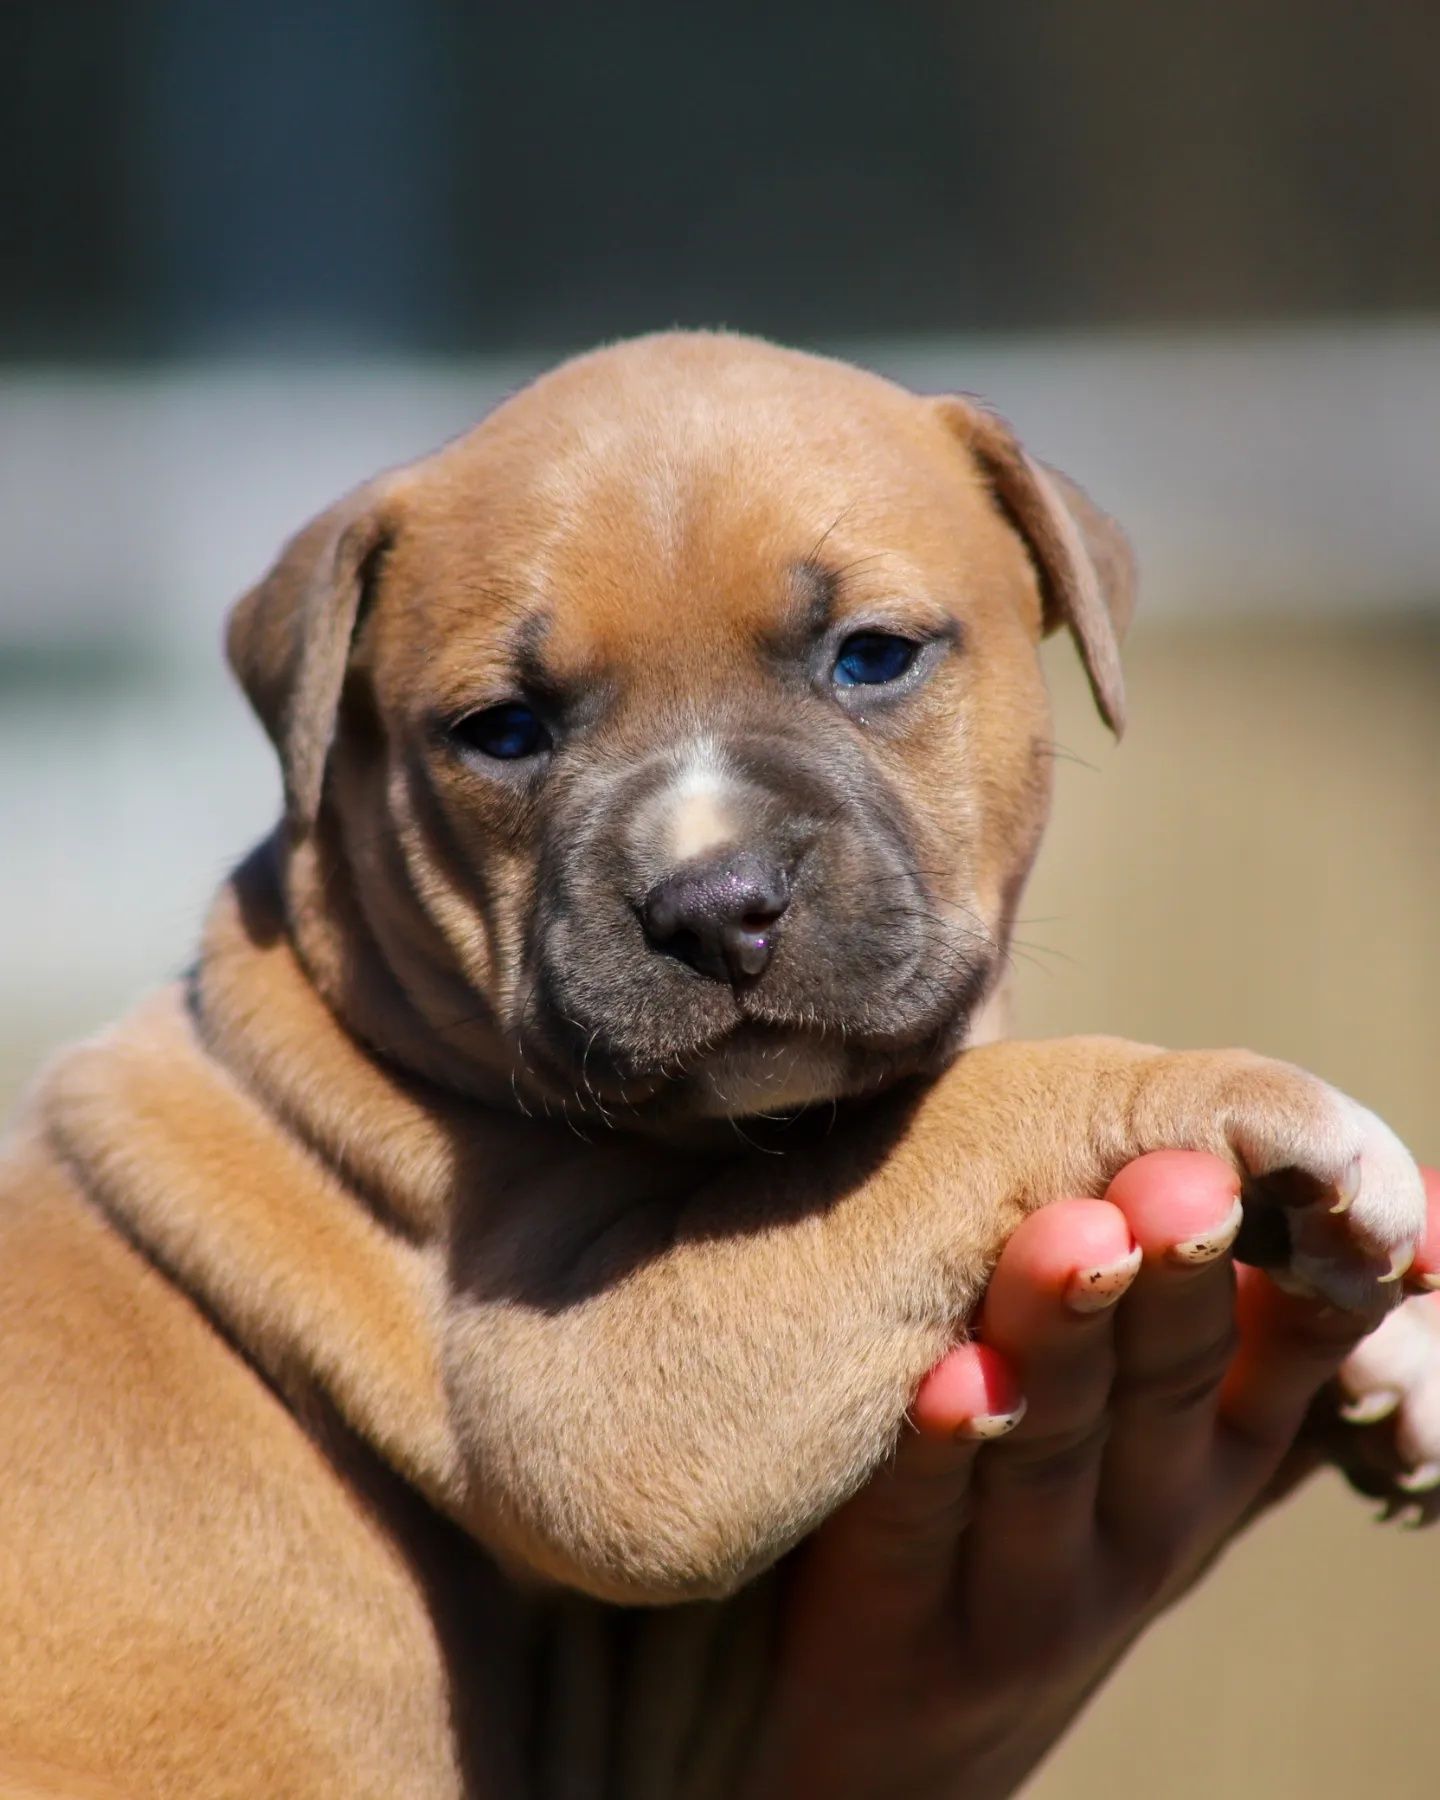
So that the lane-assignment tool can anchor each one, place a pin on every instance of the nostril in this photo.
(688, 946)
(764, 896)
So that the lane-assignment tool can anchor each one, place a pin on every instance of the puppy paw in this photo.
(1387, 1433)
(1334, 1203)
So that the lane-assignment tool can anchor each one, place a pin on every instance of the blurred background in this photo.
(250, 254)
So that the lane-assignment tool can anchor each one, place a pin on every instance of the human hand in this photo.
(941, 1631)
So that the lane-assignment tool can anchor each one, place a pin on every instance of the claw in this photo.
(1400, 1261)
(1369, 1409)
(1349, 1186)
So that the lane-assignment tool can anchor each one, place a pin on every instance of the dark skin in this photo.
(943, 1630)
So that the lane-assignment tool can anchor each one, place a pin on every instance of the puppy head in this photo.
(674, 744)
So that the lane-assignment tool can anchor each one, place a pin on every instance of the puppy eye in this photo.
(506, 733)
(871, 658)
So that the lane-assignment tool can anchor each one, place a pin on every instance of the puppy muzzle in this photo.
(739, 905)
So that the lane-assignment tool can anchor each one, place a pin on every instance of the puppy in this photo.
(413, 1291)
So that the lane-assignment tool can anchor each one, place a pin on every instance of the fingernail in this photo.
(1370, 1408)
(1400, 1261)
(1421, 1480)
(1205, 1248)
(992, 1425)
(1349, 1186)
(1092, 1290)
(1430, 1281)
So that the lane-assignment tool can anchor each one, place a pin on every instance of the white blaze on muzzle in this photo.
(697, 810)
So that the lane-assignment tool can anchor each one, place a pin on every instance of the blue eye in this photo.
(506, 733)
(871, 658)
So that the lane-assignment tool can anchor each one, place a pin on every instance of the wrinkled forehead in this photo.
(628, 529)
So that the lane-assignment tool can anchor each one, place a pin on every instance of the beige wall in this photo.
(1260, 863)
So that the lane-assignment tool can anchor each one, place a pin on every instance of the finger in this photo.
(971, 1393)
(896, 1541)
(1288, 1347)
(1174, 1338)
(1417, 1422)
(1048, 1311)
(1424, 1273)
(893, 1545)
(1355, 1425)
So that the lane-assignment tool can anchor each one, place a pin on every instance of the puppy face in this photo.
(689, 747)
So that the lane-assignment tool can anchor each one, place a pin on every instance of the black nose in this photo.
(719, 915)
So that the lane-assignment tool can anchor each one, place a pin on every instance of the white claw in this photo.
(1423, 1480)
(1400, 1260)
(1369, 1409)
(1349, 1186)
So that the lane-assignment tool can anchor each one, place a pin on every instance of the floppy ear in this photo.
(289, 638)
(1085, 564)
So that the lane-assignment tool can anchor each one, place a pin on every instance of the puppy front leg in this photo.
(698, 1402)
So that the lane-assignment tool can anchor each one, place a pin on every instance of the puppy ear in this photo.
(1085, 564)
(289, 638)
